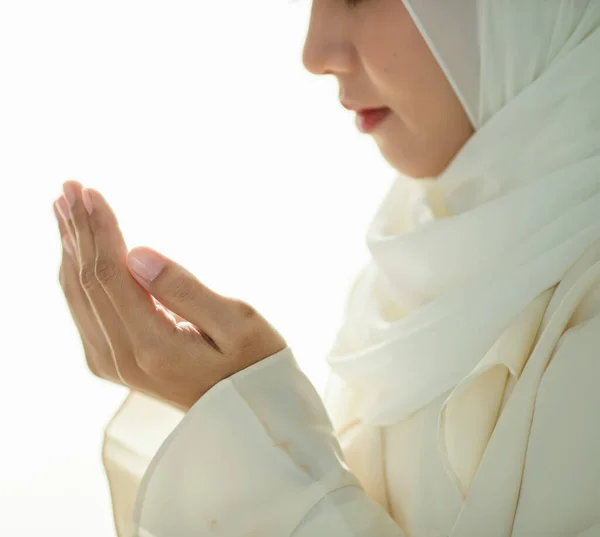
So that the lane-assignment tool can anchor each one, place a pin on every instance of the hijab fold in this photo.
(477, 273)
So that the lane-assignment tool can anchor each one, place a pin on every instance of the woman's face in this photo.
(380, 59)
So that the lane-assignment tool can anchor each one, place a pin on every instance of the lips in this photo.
(367, 120)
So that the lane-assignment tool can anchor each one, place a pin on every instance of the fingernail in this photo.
(68, 244)
(87, 201)
(146, 264)
(69, 191)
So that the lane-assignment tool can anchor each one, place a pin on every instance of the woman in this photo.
(463, 394)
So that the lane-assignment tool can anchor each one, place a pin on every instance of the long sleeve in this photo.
(256, 455)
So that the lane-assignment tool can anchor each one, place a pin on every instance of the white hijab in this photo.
(477, 257)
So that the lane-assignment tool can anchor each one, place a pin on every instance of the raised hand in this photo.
(166, 334)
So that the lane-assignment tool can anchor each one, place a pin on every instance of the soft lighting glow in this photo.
(197, 122)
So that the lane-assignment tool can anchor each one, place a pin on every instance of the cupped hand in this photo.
(144, 320)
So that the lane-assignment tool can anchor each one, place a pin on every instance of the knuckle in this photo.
(247, 332)
(245, 310)
(105, 270)
(182, 290)
(87, 276)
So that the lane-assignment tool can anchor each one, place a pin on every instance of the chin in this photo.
(401, 162)
(400, 156)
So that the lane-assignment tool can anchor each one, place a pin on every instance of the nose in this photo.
(327, 49)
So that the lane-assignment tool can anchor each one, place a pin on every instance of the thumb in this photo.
(178, 289)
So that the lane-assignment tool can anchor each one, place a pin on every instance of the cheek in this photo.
(400, 86)
(417, 89)
(384, 68)
(399, 70)
(395, 56)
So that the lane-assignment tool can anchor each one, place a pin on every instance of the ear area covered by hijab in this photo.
(477, 274)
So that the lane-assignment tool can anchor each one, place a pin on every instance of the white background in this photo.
(199, 124)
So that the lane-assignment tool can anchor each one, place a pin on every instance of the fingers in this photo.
(82, 232)
(65, 235)
(120, 346)
(96, 348)
(64, 206)
(134, 307)
(161, 349)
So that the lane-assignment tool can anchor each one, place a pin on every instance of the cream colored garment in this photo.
(464, 378)
(257, 457)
